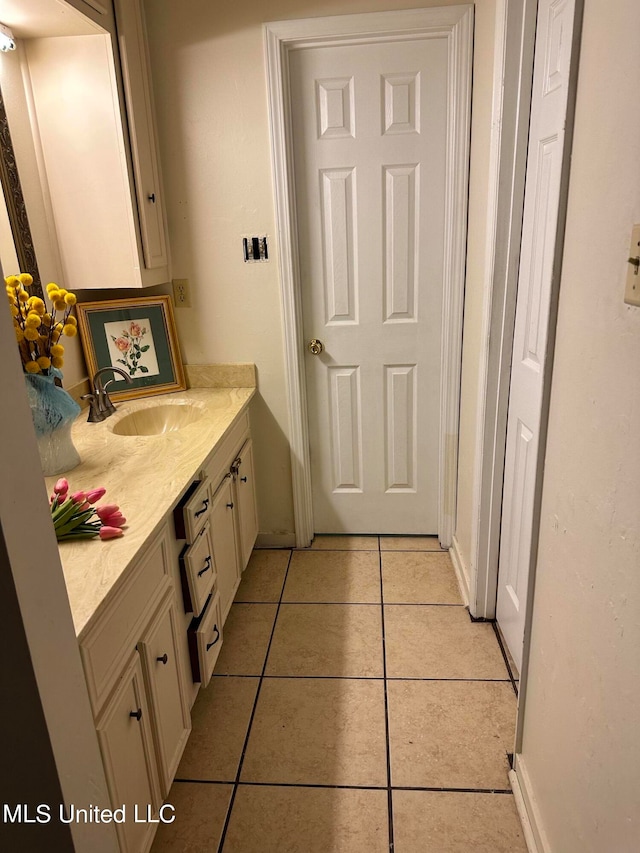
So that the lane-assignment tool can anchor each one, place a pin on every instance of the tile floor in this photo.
(355, 708)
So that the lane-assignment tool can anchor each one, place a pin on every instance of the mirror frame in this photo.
(16, 207)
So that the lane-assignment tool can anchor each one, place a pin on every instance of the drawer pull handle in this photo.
(163, 659)
(205, 507)
(230, 506)
(243, 479)
(137, 714)
(206, 568)
(217, 633)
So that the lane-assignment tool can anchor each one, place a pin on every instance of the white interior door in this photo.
(537, 260)
(369, 140)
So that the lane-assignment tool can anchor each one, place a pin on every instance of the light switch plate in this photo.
(632, 286)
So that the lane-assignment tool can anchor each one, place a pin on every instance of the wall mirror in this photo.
(17, 251)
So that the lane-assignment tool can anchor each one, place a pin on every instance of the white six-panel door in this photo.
(369, 139)
(537, 259)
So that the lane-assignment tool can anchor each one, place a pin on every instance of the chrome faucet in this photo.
(100, 405)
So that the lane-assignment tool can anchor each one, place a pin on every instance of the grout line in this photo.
(426, 788)
(359, 677)
(253, 713)
(362, 603)
(506, 657)
(386, 708)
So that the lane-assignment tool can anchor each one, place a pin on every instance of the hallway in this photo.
(334, 723)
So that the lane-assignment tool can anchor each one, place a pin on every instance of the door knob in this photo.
(315, 346)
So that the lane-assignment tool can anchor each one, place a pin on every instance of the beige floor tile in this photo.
(451, 734)
(344, 543)
(247, 632)
(327, 639)
(263, 578)
(200, 813)
(409, 543)
(308, 820)
(334, 576)
(220, 719)
(435, 822)
(318, 731)
(419, 577)
(440, 642)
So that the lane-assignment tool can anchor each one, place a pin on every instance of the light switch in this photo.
(632, 287)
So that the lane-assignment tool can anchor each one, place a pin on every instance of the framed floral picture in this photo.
(139, 337)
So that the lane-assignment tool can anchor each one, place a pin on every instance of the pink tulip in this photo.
(115, 520)
(61, 487)
(95, 494)
(110, 532)
(79, 497)
(106, 510)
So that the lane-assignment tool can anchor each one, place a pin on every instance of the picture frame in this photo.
(139, 336)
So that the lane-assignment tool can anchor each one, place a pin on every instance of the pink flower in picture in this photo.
(122, 344)
(135, 330)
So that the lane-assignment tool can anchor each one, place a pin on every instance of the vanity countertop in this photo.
(145, 476)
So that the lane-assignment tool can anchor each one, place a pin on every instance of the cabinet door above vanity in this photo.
(92, 118)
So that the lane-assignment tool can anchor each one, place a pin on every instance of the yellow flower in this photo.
(25, 278)
(44, 362)
(23, 296)
(69, 330)
(54, 296)
(31, 334)
(57, 361)
(57, 350)
(14, 310)
(51, 286)
(70, 298)
(11, 281)
(37, 305)
(55, 335)
(10, 290)
(19, 334)
(33, 320)
(72, 321)
(32, 367)
(46, 319)
(59, 304)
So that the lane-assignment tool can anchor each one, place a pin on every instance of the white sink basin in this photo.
(157, 420)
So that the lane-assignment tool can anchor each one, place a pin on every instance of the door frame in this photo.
(455, 23)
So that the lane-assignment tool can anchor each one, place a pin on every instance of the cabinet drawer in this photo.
(192, 512)
(116, 630)
(197, 572)
(205, 641)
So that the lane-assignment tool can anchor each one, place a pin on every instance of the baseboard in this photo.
(458, 566)
(276, 540)
(527, 806)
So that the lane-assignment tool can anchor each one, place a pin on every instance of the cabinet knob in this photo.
(163, 659)
(230, 506)
(206, 567)
(152, 198)
(243, 479)
(137, 714)
(217, 633)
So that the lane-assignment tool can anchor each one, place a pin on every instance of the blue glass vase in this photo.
(53, 411)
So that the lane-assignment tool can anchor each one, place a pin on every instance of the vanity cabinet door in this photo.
(224, 541)
(124, 734)
(246, 497)
(171, 720)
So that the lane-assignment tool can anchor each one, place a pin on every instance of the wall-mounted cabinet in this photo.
(93, 123)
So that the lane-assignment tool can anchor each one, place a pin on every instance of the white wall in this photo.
(210, 89)
(581, 743)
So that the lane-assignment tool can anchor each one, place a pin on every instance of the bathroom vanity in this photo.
(149, 607)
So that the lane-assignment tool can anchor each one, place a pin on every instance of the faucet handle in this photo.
(95, 414)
